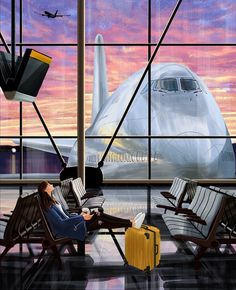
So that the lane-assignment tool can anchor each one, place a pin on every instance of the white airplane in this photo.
(51, 15)
(181, 105)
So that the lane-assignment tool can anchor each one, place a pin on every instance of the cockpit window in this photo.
(167, 84)
(189, 85)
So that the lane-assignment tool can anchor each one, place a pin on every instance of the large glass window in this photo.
(51, 29)
(182, 119)
(181, 106)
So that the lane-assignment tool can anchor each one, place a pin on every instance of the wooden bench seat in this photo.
(208, 206)
(20, 224)
(174, 197)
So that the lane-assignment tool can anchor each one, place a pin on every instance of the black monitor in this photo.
(30, 70)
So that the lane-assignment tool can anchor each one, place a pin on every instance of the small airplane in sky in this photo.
(52, 15)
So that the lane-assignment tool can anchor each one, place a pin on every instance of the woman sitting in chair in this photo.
(75, 226)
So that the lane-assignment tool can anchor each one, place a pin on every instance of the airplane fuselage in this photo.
(181, 106)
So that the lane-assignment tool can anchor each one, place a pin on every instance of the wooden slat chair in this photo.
(228, 221)
(192, 209)
(59, 197)
(57, 194)
(191, 188)
(49, 241)
(81, 197)
(173, 198)
(66, 189)
(178, 185)
(228, 192)
(209, 207)
(21, 223)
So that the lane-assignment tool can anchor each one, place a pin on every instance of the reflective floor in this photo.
(103, 267)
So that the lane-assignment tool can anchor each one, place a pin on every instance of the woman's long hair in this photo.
(46, 200)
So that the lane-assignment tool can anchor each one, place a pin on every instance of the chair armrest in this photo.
(196, 219)
(191, 214)
(88, 195)
(166, 207)
(184, 211)
(167, 194)
(96, 192)
(96, 209)
(92, 193)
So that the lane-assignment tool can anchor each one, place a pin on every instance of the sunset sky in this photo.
(120, 22)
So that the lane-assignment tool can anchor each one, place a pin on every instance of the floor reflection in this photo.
(103, 268)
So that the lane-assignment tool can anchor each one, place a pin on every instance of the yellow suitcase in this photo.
(142, 247)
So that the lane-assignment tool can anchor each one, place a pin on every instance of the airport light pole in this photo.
(13, 160)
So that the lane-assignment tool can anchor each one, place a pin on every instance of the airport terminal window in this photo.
(188, 85)
(128, 46)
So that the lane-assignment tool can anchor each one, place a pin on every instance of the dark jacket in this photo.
(73, 227)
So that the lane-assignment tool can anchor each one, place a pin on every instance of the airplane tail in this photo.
(56, 13)
(100, 90)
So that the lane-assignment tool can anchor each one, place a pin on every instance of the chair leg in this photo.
(57, 256)
(71, 248)
(4, 252)
(200, 252)
(55, 251)
(118, 246)
(81, 248)
(31, 252)
(41, 256)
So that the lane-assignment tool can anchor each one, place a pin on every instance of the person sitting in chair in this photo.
(75, 226)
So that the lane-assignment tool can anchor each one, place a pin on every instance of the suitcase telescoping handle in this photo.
(156, 249)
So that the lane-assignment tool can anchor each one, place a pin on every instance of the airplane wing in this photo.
(41, 14)
(61, 15)
(45, 144)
